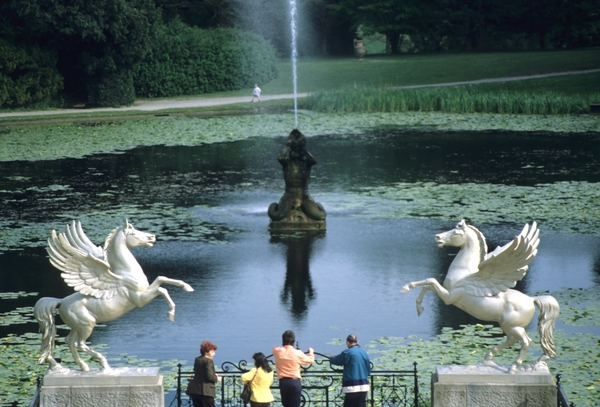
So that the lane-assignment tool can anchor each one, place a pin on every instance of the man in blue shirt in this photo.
(357, 368)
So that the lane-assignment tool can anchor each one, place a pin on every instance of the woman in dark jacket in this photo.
(201, 388)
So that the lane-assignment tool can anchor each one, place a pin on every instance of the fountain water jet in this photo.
(294, 59)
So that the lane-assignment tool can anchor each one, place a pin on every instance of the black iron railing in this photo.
(35, 402)
(562, 397)
(321, 386)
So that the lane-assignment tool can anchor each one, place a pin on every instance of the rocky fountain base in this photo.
(296, 210)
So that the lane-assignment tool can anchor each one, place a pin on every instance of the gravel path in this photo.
(163, 104)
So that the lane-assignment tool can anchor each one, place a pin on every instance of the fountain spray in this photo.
(294, 58)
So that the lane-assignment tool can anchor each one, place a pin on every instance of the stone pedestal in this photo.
(491, 386)
(297, 220)
(123, 387)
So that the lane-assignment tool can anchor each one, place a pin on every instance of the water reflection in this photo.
(298, 291)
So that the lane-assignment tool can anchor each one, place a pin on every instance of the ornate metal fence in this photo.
(562, 397)
(321, 386)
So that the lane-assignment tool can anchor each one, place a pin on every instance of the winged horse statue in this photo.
(109, 282)
(480, 283)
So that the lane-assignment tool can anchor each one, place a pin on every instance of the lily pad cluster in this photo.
(165, 220)
(492, 203)
(75, 140)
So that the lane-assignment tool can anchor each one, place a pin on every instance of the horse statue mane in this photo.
(481, 283)
(108, 282)
(483, 248)
(111, 235)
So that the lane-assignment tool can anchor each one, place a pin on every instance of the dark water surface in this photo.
(252, 286)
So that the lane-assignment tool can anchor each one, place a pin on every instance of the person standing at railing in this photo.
(261, 378)
(287, 363)
(201, 388)
(357, 368)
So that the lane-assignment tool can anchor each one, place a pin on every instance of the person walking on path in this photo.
(256, 93)
(261, 379)
(287, 363)
(357, 368)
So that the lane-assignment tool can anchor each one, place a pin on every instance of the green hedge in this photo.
(28, 75)
(112, 89)
(189, 61)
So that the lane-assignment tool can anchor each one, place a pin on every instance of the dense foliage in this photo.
(328, 26)
(321, 28)
(95, 41)
(27, 75)
(187, 60)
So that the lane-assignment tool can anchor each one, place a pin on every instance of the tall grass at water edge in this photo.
(450, 100)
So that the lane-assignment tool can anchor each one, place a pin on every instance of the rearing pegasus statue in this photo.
(480, 283)
(109, 282)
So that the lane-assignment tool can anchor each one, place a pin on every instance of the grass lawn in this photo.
(316, 74)
(583, 84)
(417, 69)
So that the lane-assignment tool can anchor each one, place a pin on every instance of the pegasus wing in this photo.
(502, 268)
(77, 238)
(82, 270)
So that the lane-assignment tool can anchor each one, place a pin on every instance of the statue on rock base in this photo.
(480, 284)
(296, 209)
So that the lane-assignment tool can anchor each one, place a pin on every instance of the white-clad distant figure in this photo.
(255, 93)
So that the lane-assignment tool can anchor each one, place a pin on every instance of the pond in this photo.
(387, 193)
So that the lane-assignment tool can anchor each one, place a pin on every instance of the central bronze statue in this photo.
(296, 209)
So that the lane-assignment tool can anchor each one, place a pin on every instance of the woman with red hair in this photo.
(201, 388)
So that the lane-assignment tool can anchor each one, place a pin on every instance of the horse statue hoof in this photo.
(171, 315)
(188, 288)
(420, 310)
(405, 289)
(59, 368)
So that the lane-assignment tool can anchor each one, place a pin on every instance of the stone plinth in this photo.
(123, 387)
(491, 386)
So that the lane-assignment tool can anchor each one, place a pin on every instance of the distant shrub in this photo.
(28, 75)
(187, 60)
(112, 89)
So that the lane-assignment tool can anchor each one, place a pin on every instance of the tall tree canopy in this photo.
(97, 42)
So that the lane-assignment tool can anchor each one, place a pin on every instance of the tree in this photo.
(200, 13)
(97, 42)
(578, 24)
(27, 75)
(389, 17)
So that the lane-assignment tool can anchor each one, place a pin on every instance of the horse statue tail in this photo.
(44, 314)
(549, 310)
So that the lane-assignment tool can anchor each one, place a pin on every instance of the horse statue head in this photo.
(136, 238)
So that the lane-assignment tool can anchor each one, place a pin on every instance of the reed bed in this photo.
(467, 99)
